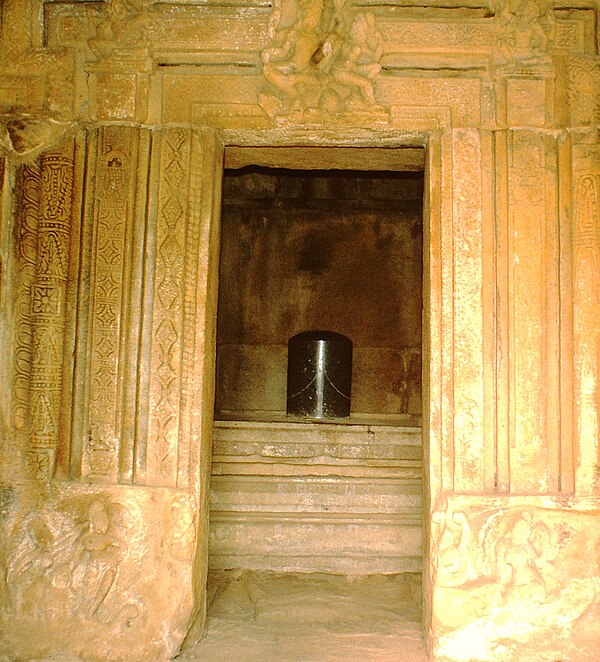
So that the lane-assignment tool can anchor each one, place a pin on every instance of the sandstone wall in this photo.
(115, 117)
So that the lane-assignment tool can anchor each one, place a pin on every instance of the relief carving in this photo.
(61, 566)
(524, 30)
(168, 307)
(26, 221)
(583, 90)
(109, 273)
(120, 64)
(524, 546)
(124, 30)
(486, 564)
(321, 61)
(48, 292)
(587, 323)
(180, 536)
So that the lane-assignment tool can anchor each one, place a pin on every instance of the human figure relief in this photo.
(521, 555)
(524, 30)
(453, 566)
(98, 554)
(319, 58)
(357, 63)
(38, 571)
(126, 25)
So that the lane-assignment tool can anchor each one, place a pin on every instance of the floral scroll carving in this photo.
(27, 209)
(320, 60)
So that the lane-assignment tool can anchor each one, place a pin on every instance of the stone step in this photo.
(312, 497)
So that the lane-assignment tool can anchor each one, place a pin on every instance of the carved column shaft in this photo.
(48, 299)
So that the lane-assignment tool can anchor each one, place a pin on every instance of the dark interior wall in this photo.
(332, 250)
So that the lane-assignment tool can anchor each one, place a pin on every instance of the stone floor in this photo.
(260, 616)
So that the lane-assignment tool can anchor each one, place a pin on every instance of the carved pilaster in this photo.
(109, 269)
(528, 328)
(586, 250)
(173, 156)
(468, 229)
(48, 299)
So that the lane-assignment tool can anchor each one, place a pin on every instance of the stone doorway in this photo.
(305, 497)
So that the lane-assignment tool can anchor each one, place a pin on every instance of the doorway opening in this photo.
(307, 246)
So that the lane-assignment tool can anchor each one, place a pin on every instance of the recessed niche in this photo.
(336, 250)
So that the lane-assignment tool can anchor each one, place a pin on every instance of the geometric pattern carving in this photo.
(112, 218)
(47, 313)
(168, 310)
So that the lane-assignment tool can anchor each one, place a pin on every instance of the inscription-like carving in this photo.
(321, 60)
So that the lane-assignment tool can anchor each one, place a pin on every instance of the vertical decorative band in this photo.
(168, 308)
(587, 335)
(26, 228)
(48, 297)
(108, 278)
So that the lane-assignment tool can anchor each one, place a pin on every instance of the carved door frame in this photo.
(215, 143)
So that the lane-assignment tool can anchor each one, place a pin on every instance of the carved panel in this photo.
(112, 565)
(583, 92)
(586, 246)
(524, 30)
(467, 237)
(491, 561)
(109, 281)
(48, 294)
(168, 306)
(462, 97)
(320, 61)
(532, 325)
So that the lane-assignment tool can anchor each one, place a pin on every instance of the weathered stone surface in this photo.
(514, 577)
(114, 120)
(113, 565)
(294, 497)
